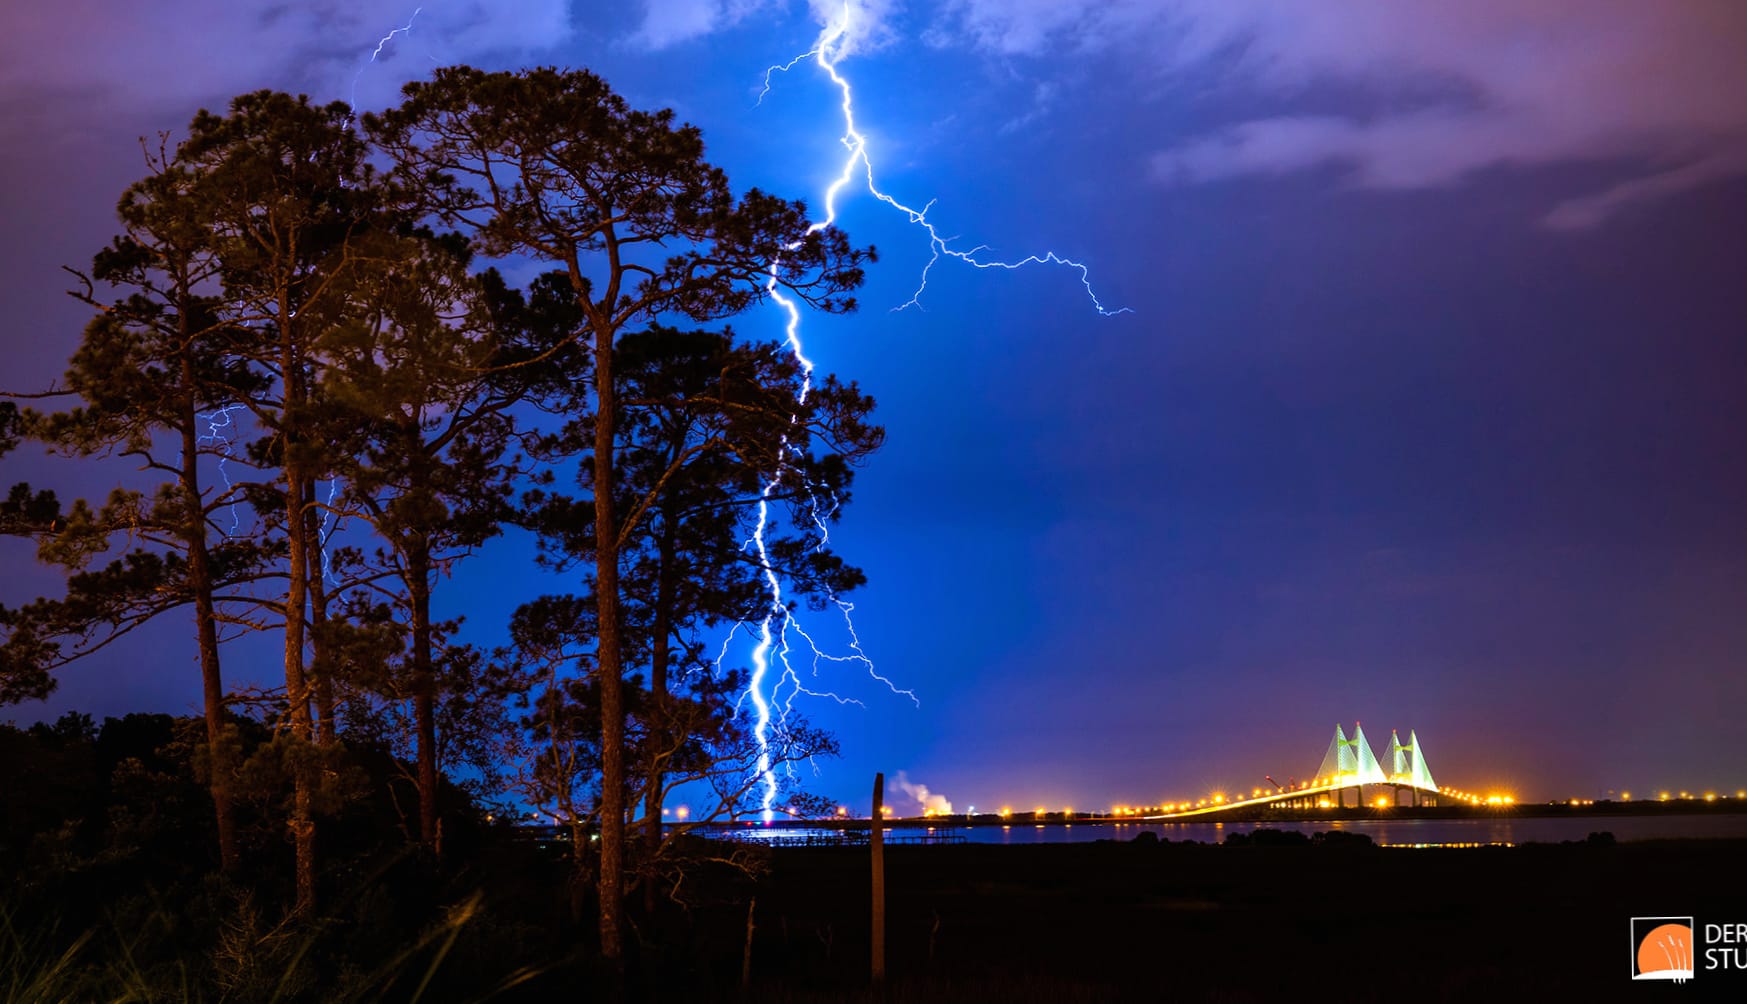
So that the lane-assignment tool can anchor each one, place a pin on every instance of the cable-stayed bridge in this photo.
(1348, 766)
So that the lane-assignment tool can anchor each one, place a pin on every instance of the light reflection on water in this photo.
(1387, 832)
(1407, 832)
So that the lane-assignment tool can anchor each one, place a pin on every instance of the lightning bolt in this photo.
(219, 425)
(772, 701)
(330, 525)
(825, 54)
(381, 43)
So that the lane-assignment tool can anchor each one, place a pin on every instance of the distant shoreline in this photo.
(1532, 810)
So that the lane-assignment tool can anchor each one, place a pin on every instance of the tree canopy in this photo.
(302, 337)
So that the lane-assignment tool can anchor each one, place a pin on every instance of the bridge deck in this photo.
(1288, 795)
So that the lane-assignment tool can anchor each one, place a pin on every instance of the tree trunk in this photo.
(320, 663)
(606, 531)
(218, 748)
(660, 739)
(296, 597)
(418, 569)
(746, 952)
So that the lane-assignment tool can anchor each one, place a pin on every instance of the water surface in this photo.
(1521, 830)
(1386, 832)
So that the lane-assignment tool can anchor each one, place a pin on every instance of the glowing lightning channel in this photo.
(219, 425)
(330, 525)
(770, 705)
(381, 43)
(826, 53)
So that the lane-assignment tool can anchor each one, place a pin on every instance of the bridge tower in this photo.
(1350, 763)
(1407, 768)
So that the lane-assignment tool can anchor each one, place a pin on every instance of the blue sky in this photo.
(1427, 412)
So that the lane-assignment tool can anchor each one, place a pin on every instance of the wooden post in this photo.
(877, 843)
(746, 956)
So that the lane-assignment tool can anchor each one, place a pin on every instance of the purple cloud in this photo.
(90, 57)
(1504, 83)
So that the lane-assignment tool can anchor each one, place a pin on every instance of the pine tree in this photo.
(556, 166)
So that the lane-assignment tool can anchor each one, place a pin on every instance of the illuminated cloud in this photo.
(170, 58)
(671, 22)
(1446, 89)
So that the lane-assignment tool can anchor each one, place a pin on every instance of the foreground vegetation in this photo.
(110, 893)
(318, 396)
(112, 889)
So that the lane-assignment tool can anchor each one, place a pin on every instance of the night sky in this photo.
(1428, 413)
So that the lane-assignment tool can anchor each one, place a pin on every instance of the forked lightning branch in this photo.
(771, 699)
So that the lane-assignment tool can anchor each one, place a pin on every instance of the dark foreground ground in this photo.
(1271, 918)
(1135, 921)
(109, 892)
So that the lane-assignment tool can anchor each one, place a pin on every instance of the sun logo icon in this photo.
(1662, 948)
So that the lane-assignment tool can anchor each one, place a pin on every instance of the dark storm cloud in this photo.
(1501, 83)
(1461, 87)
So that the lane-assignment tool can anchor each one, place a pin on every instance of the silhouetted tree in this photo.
(292, 204)
(149, 364)
(716, 437)
(556, 166)
(409, 390)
